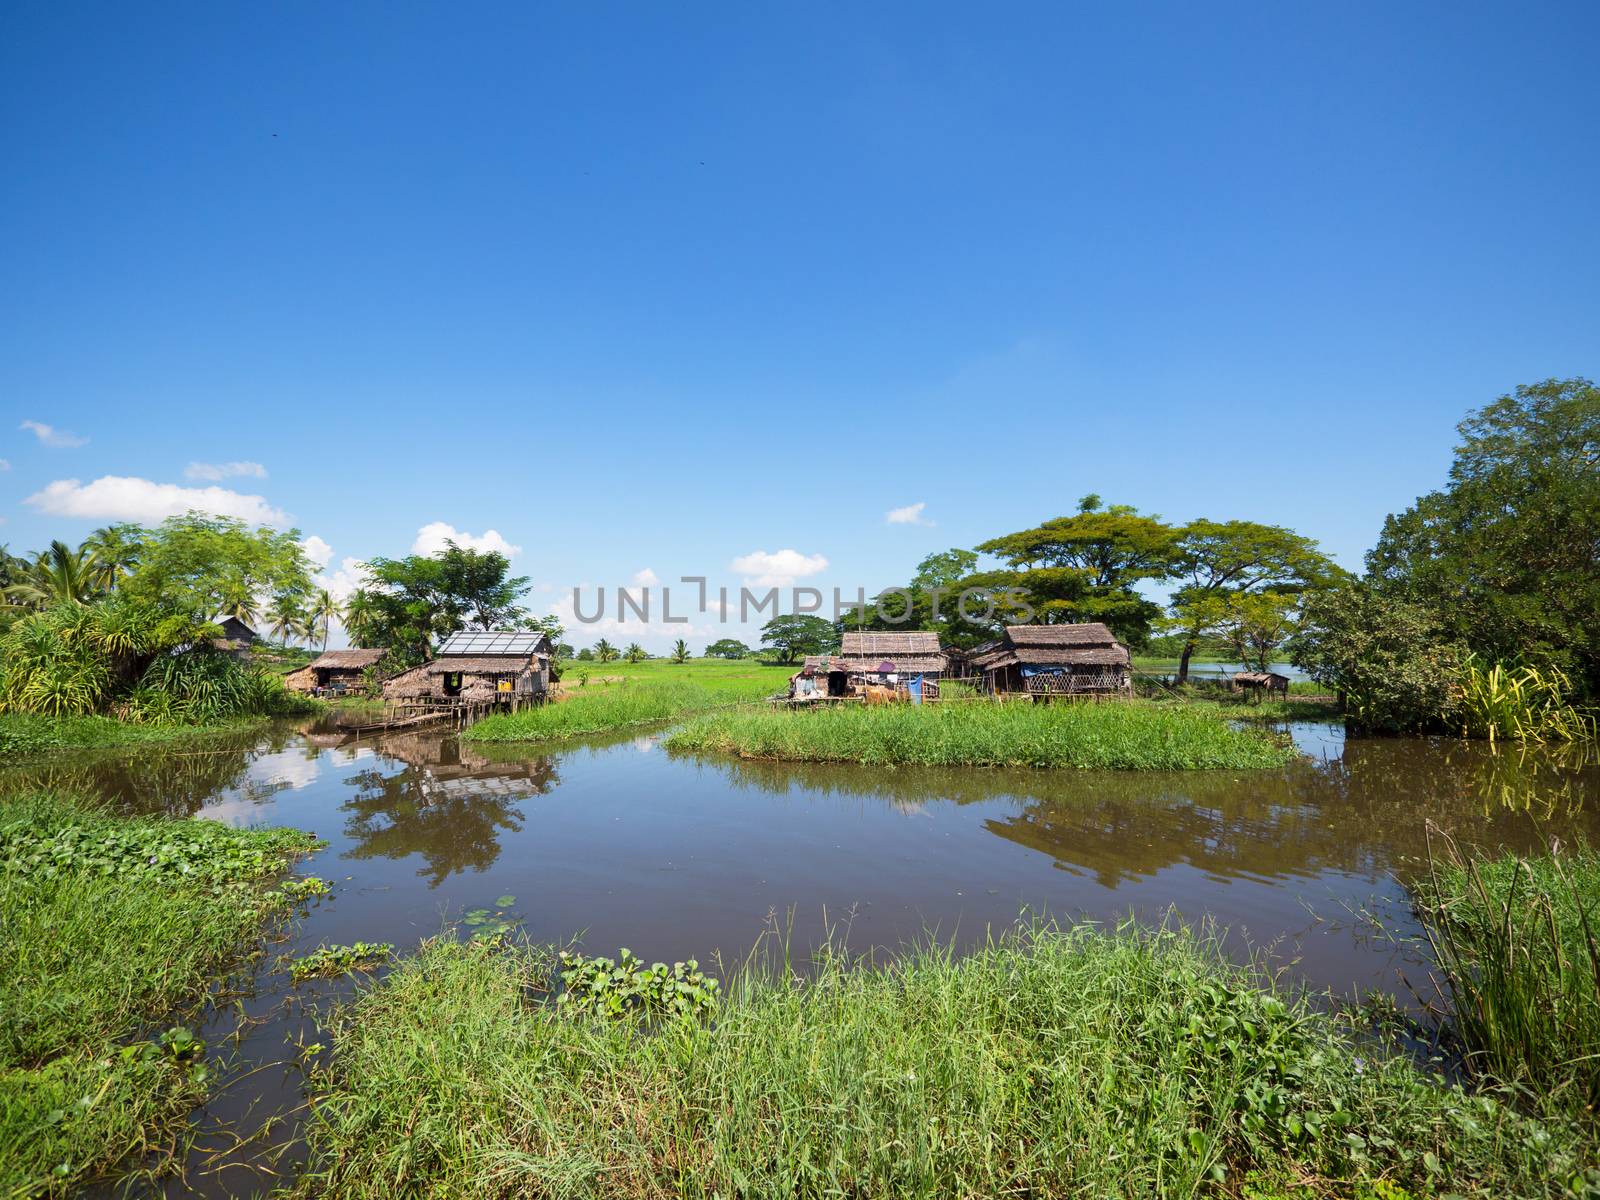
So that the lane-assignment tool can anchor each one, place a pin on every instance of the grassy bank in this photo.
(113, 929)
(27, 733)
(658, 692)
(1131, 736)
(1075, 1063)
(1519, 943)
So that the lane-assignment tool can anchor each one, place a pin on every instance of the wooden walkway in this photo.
(457, 714)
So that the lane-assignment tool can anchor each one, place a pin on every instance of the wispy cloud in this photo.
(911, 514)
(778, 569)
(5, 464)
(431, 539)
(228, 470)
(128, 498)
(49, 435)
(317, 551)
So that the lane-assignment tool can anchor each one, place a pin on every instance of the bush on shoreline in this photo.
(1047, 1063)
(1122, 736)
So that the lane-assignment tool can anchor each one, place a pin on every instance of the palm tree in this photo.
(113, 552)
(358, 616)
(241, 604)
(605, 651)
(680, 651)
(286, 616)
(323, 612)
(59, 575)
(634, 653)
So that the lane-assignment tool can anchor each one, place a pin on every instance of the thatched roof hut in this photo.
(236, 639)
(906, 652)
(335, 669)
(1050, 659)
(478, 666)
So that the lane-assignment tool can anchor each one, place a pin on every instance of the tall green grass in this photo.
(1518, 942)
(1521, 703)
(598, 709)
(1045, 1064)
(110, 929)
(1120, 737)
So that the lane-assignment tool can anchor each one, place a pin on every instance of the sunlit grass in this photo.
(1050, 1063)
(1109, 736)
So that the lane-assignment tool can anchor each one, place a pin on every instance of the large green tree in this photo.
(794, 635)
(1086, 567)
(201, 565)
(408, 604)
(931, 601)
(1507, 554)
(1219, 563)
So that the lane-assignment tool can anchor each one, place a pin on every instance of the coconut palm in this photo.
(680, 651)
(242, 605)
(634, 653)
(605, 651)
(324, 611)
(59, 575)
(287, 616)
(113, 552)
(358, 616)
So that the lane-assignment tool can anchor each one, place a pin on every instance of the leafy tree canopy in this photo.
(198, 563)
(408, 604)
(727, 648)
(794, 635)
(1508, 554)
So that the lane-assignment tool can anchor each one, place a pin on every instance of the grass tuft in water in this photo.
(600, 709)
(1518, 942)
(1047, 1063)
(1121, 737)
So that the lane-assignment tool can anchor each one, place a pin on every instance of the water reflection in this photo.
(448, 803)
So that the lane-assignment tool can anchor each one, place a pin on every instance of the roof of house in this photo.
(521, 642)
(478, 664)
(1259, 677)
(1088, 633)
(345, 660)
(1089, 644)
(232, 627)
(906, 650)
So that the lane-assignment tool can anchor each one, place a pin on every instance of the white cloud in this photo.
(350, 575)
(779, 569)
(646, 577)
(5, 464)
(217, 471)
(51, 436)
(431, 540)
(128, 498)
(318, 551)
(911, 514)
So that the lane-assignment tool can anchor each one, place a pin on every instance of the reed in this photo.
(1111, 736)
(1047, 1063)
(1523, 703)
(1516, 941)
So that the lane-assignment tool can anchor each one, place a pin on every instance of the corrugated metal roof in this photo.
(493, 642)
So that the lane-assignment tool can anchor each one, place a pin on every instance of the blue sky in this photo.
(642, 288)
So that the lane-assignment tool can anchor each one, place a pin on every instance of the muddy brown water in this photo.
(623, 844)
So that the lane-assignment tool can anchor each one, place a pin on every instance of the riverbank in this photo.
(1124, 736)
(1049, 1063)
(23, 734)
(114, 929)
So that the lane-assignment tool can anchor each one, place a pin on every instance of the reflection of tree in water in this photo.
(172, 781)
(448, 804)
(1366, 813)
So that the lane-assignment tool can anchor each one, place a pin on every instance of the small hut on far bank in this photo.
(334, 670)
(478, 667)
(237, 638)
(1055, 660)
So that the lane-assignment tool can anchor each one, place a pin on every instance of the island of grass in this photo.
(1130, 736)
(1050, 1063)
(23, 734)
(112, 930)
(619, 695)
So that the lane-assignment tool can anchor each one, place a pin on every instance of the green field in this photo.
(1075, 1063)
(113, 929)
(1113, 736)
